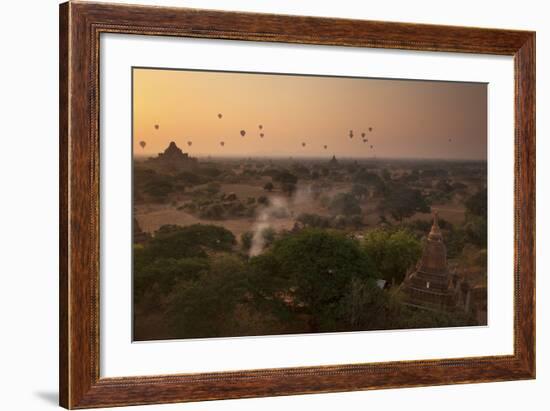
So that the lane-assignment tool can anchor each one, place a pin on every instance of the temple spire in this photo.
(429, 285)
(435, 232)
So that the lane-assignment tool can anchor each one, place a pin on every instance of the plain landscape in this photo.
(252, 234)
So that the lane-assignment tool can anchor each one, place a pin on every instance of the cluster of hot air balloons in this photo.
(241, 132)
(364, 137)
(350, 135)
(260, 127)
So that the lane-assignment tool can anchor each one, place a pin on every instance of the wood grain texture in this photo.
(63, 204)
(80, 27)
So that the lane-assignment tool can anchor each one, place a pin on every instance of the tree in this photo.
(360, 191)
(476, 230)
(190, 241)
(213, 188)
(288, 188)
(212, 211)
(476, 219)
(285, 177)
(393, 253)
(345, 204)
(159, 188)
(370, 180)
(311, 272)
(269, 186)
(367, 178)
(210, 171)
(246, 240)
(444, 186)
(163, 273)
(402, 202)
(454, 240)
(477, 204)
(313, 220)
(189, 178)
(364, 306)
(206, 307)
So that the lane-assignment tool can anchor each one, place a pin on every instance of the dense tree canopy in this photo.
(402, 202)
(206, 307)
(393, 253)
(285, 177)
(313, 269)
(477, 204)
(189, 241)
(345, 204)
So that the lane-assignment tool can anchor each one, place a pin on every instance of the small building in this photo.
(431, 285)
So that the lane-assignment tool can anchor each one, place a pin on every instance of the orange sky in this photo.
(410, 119)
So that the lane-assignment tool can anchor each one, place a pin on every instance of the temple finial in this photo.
(435, 232)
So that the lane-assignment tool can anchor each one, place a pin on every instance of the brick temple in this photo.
(431, 285)
(174, 158)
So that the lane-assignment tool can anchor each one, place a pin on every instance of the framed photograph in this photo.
(258, 205)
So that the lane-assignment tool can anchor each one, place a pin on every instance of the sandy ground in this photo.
(152, 216)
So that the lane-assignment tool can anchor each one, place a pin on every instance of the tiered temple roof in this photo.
(173, 157)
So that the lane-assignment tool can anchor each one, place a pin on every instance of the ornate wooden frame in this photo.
(80, 27)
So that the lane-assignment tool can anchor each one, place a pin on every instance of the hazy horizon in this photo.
(221, 156)
(300, 115)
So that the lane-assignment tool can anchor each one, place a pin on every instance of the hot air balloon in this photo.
(222, 143)
(303, 144)
(325, 146)
(156, 126)
(220, 115)
(363, 134)
(189, 143)
(370, 128)
(450, 140)
(371, 146)
(260, 126)
(243, 132)
(351, 134)
(142, 144)
(262, 135)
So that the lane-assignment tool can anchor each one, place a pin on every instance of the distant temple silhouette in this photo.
(431, 285)
(173, 158)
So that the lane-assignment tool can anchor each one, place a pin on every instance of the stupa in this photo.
(431, 285)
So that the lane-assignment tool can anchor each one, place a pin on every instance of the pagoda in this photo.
(431, 286)
(173, 157)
